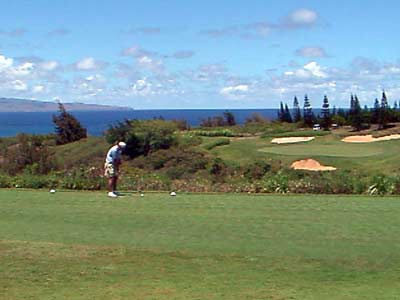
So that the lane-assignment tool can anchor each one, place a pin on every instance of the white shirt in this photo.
(113, 154)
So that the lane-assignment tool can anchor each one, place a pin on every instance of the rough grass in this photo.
(85, 151)
(73, 245)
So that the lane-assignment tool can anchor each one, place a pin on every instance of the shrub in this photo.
(84, 179)
(217, 166)
(256, 118)
(189, 140)
(28, 153)
(214, 133)
(183, 162)
(5, 181)
(227, 119)
(143, 137)
(118, 132)
(181, 124)
(68, 128)
(216, 143)
(257, 170)
(34, 181)
(278, 183)
(381, 185)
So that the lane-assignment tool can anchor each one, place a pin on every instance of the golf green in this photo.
(334, 150)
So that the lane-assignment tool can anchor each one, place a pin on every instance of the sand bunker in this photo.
(369, 138)
(310, 165)
(289, 140)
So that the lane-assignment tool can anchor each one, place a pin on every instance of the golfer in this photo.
(111, 167)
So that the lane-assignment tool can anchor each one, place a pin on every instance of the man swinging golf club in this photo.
(111, 167)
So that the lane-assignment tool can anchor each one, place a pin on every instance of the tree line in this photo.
(356, 116)
(68, 129)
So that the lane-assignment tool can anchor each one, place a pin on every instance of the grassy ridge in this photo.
(83, 245)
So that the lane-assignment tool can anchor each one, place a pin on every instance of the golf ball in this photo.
(172, 194)
(52, 191)
(141, 195)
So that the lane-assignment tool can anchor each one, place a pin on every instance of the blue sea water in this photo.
(97, 122)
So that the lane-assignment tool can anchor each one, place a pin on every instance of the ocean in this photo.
(97, 122)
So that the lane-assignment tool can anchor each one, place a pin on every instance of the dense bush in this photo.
(227, 119)
(143, 137)
(278, 183)
(68, 128)
(28, 153)
(256, 170)
(181, 124)
(174, 162)
(217, 166)
(5, 181)
(34, 181)
(381, 185)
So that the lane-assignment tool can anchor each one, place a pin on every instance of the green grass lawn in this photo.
(81, 245)
(382, 157)
(335, 149)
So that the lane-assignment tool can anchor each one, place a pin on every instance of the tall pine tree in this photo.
(296, 111)
(288, 116)
(356, 114)
(383, 119)
(308, 115)
(375, 112)
(326, 115)
(281, 113)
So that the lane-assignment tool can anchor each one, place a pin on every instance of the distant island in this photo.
(24, 105)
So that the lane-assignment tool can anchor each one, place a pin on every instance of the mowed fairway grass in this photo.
(81, 245)
(377, 157)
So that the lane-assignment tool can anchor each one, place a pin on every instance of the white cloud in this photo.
(183, 54)
(89, 64)
(311, 69)
(298, 19)
(235, 92)
(38, 89)
(5, 62)
(49, 65)
(311, 52)
(24, 69)
(142, 87)
(59, 32)
(145, 60)
(96, 78)
(301, 18)
(150, 64)
(19, 85)
(144, 30)
(13, 33)
(136, 51)
(315, 69)
(211, 73)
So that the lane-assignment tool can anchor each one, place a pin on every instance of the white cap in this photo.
(122, 144)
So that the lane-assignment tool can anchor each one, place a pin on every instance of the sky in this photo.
(199, 54)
